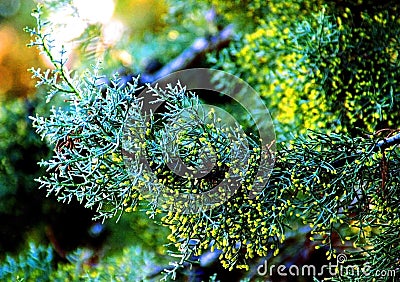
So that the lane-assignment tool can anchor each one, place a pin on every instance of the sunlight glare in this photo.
(95, 11)
(70, 23)
(112, 32)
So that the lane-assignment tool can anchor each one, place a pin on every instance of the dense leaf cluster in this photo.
(38, 264)
(333, 71)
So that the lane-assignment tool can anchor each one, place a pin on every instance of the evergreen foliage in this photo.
(37, 264)
(334, 71)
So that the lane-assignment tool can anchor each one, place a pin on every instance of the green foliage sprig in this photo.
(345, 188)
(336, 184)
(352, 59)
(88, 163)
(87, 143)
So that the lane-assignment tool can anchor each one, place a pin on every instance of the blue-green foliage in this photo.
(37, 264)
(333, 183)
(33, 265)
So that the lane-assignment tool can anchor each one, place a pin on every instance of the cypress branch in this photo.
(388, 142)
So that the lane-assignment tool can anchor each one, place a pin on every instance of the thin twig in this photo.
(199, 48)
(387, 142)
